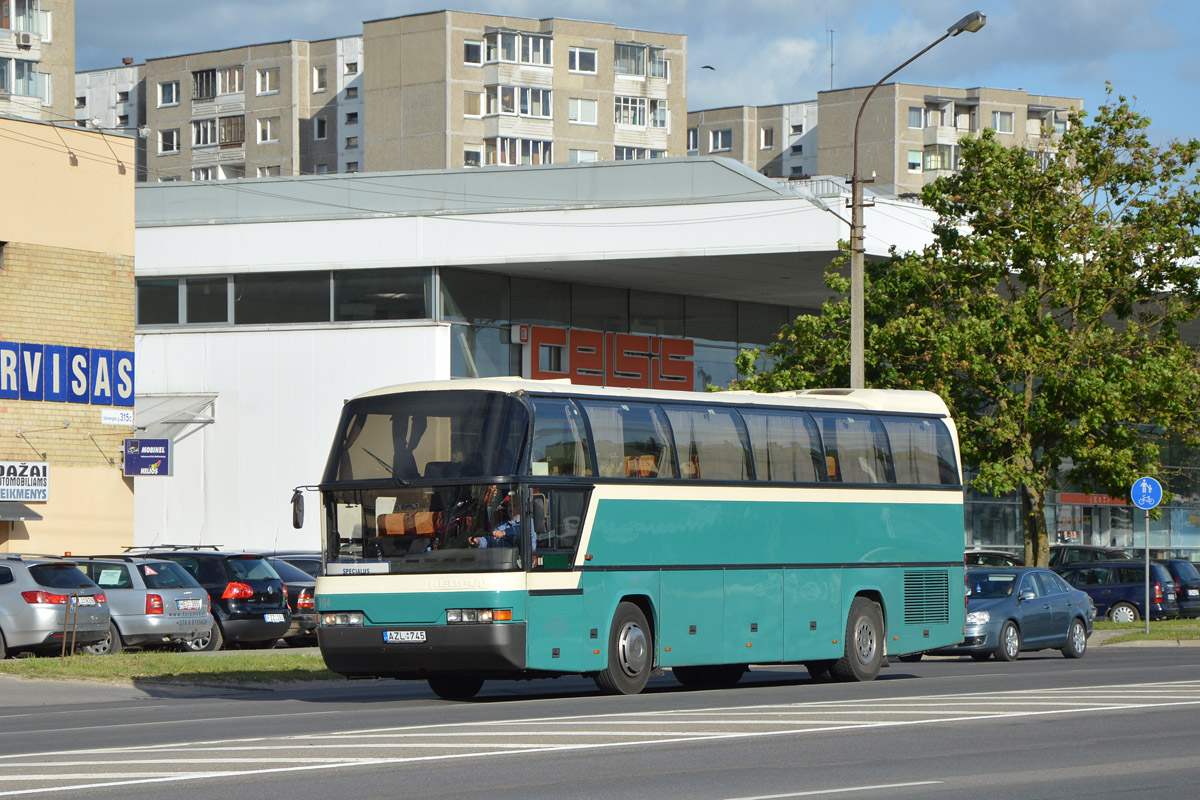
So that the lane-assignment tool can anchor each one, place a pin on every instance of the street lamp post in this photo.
(970, 23)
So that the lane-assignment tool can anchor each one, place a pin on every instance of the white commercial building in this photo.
(263, 305)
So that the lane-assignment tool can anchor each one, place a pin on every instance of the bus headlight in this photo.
(341, 619)
(455, 616)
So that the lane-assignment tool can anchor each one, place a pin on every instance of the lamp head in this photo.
(970, 23)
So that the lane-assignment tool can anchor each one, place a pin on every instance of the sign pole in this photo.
(1146, 493)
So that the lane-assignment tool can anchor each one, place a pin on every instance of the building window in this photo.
(472, 104)
(512, 151)
(797, 171)
(535, 50)
(269, 172)
(80, 102)
(914, 160)
(659, 67)
(320, 129)
(229, 80)
(204, 132)
(941, 157)
(797, 149)
(122, 97)
(693, 141)
(123, 121)
(1002, 121)
(320, 169)
(581, 111)
(501, 46)
(381, 294)
(472, 52)
(351, 117)
(798, 129)
(720, 141)
(232, 130)
(351, 166)
(630, 60)
(158, 298)
(351, 142)
(659, 118)
(280, 297)
(351, 92)
(204, 173)
(637, 153)
(519, 99)
(583, 156)
(766, 139)
(204, 84)
(351, 67)
(580, 59)
(268, 81)
(168, 141)
(319, 80)
(916, 117)
(207, 299)
(268, 130)
(168, 94)
(630, 111)
(535, 103)
(473, 155)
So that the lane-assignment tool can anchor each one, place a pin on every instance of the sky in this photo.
(764, 52)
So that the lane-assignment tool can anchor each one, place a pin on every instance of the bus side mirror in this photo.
(297, 509)
(539, 515)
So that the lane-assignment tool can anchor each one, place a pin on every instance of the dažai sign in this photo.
(25, 481)
(598, 358)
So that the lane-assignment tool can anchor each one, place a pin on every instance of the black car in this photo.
(1118, 588)
(1063, 554)
(1187, 584)
(308, 561)
(302, 600)
(992, 558)
(249, 599)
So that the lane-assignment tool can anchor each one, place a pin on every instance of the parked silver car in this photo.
(43, 599)
(153, 601)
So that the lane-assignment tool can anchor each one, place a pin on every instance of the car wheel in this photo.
(980, 656)
(1076, 640)
(864, 643)
(455, 687)
(205, 644)
(717, 676)
(911, 658)
(108, 645)
(630, 653)
(1010, 643)
(3, 647)
(1123, 612)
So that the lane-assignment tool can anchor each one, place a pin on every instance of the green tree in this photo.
(1046, 312)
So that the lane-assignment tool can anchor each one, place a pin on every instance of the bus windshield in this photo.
(427, 435)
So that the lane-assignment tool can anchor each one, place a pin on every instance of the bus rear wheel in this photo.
(715, 676)
(455, 687)
(864, 643)
(630, 653)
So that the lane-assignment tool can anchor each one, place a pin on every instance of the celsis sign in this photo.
(597, 358)
(60, 374)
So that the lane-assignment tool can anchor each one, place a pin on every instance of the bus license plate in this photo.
(394, 637)
(273, 617)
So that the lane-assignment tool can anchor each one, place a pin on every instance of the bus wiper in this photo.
(388, 467)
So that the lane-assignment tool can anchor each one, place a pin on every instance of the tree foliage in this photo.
(1046, 312)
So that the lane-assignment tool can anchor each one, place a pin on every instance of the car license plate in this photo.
(1170, 595)
(85, 600)
(273, 617)
(393, 637)
(192, 604)
(1193, 592)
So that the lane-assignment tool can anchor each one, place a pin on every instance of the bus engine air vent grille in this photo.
(926, 597)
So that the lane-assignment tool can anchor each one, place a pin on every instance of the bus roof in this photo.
(895, 400)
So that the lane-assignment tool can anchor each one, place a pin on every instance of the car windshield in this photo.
(990, 585)
(251, 568)
(60, 576)
(166, 575)
(1186, 571)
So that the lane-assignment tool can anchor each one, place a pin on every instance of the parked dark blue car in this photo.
(1187, 585)
(1118, 588)
(1010, 610)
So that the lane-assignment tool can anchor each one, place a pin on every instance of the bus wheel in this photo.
(630, 653)
(864, 643)
(716, 676)
(455, 687)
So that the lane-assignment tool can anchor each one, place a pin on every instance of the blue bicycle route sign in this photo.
(1146, 493)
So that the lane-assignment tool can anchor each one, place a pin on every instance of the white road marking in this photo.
(842, 790)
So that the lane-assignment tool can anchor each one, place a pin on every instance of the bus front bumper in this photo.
(402, 652)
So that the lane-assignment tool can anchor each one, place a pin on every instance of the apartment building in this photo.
(778, 141)
(37, 59)
(444, 90)
(910, 133)
(110, 100)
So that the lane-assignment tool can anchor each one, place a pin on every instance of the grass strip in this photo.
(1165, 630)
(232, 668)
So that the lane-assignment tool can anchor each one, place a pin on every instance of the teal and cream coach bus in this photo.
(504, 528)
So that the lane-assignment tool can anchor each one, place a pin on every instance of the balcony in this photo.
(36, 22)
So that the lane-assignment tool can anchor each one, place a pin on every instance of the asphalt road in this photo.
(1120, 722)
